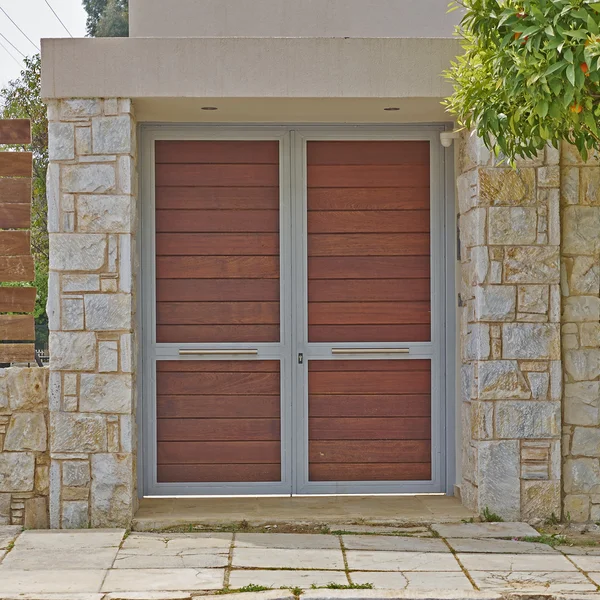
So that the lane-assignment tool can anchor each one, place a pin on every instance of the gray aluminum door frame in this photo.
(293, 301)
(433, 350)
(153, 351)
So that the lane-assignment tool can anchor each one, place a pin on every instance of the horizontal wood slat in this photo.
(408, 405)
(368, 333)
(14, 243)
(217, 151)
(219, 473)
(372, 152)
(366, 267)
(16, 164)
(15, 190)
(370, 472)
(214, 290)
(16, 268)
(217, 366)
(17, 353)
(233, 175)
(17, 328)
(370, 290)
(212, 430)
(368, 221)
(368, 313)
(218, 453)
(219, 221)
(368, 198)
(404, 244)
(217, 244)
(366, 365)
(15, 131)
(217, 198)
(380, 451)
(380, 383)
(214, 407)
(212, 267)
(15, 216)
(350, 176)
(190, 334)
(17, 299)
(369, 428)
(218, 383)
(217, 313)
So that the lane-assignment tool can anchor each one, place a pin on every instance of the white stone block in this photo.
(107, 312)
(512, 225)
(527, 419)
(111, 106)
(103, 214)
(77, 432)
(61, 141)
(113, 252)
(52, 197)
(108, 357)
(532, 341)
(126, 350)
(112, 490)
(88, 178)
(70, 384)
(112, 135)
(125, 272)
(72, 314)
(53, 301)
(81, 283)
(79, 109)
(83, 140)
(76, 473)
(106, 393)
(586, 442)
(495, 303)
(17, 471)
(501, 379)
(26, 431)
(75, 514)
(54, 386)
(73, 351)
(77, 251)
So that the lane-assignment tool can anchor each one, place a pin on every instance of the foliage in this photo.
(529, 75)
(490, 517)
(107, 18)
(20, 99)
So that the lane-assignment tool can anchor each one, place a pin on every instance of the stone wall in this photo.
(24, 458)
(580, 197)
(510, 333)
(91, 310)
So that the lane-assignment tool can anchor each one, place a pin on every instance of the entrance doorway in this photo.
(294, 317)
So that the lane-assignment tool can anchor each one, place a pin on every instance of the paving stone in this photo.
(492, 546)
(287, 558)
(42, 560)
(587, 563)
(61, 596)
(485, 530)
(595, 577)
(413, 580)
(286, 540)
(385, 530)
(177, 542)
(264, 595)
(548, 582)
(77, 540)
(57, 581)
(8, 534)
(149, 596)
(139, 580)
(399, 595)
(515, 562)
(281, 578)
(133, 559)
(364, 560)
(375, 542)
(579, 550)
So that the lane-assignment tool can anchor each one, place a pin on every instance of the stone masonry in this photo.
(580, 198)
(24, 457)
(91, 310)
(510, 333)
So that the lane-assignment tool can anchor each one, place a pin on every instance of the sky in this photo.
(36, 20)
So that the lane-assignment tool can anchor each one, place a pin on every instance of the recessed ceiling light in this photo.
(391, 108)
(209, 108)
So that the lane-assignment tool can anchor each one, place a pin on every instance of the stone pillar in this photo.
(580, 196)
(510, 333)
(91, 306)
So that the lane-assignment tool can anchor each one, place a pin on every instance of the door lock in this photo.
(300, 358)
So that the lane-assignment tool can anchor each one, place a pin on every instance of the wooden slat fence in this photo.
(17, 331)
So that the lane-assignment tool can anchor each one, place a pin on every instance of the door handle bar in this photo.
(217, 352)
(370, 351)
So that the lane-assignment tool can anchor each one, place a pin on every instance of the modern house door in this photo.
(294, 311)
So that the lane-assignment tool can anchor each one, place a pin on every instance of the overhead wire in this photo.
(11, 54)
(59, 19)
(30, 40)
(21, 53)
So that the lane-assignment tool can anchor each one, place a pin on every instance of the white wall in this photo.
(291, 18)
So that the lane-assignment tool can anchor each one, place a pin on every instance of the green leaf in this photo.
(594, 5)
(569, 55)
(579, 34)
(592, 25)
(542, 108)
(571, 74)
(557, 66)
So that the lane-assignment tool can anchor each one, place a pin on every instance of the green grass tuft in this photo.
(490, 517)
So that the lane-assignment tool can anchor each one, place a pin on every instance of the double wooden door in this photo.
(294, 325)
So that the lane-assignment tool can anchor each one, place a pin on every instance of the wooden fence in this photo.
(17, 331)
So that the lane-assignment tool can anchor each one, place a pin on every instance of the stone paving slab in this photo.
(177, 542)
(45, 582)
(399, 595)
(282, 578)
(75, 539)
(586, 562)
(8, 534)
(595, 577)
(382, 529)
(375, 542)
(134, 560)
(288, 559)
(43, 560)
(485, 530)
(537, 581)
(515, 562)
(580, 550)
(178, 595)
(286, 540)
(413, 580)
(382, 560)
(139, 580)
(495, 546)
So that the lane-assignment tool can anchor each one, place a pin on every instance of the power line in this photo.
(1, 34)
(59, 19)
(8, 17)
(11, 54)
